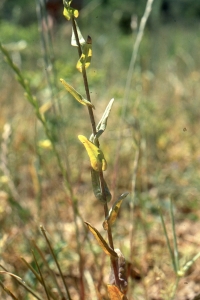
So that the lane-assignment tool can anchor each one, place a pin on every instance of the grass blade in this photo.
(56, 261)
(21, 282)
(176, 256)
(32, 270)
(167, 239)
(36, 275)
(41, 276)
(48, 268)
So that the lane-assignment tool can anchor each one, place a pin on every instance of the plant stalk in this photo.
(114, 262)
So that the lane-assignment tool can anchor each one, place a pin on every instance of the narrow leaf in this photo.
(167, 240)
(11, 274)
(86, 55)
(41, 276)
(36, 274)
(56, 261)
(32, 269)
(176, 255)
(95, 154)
(103, 122)
(100, 128)
(75, 94)
(97, 187)
(102, 243)
(80, 37)
(114, 211)
(51, 273)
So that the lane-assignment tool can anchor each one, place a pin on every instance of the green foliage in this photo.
(96, 186)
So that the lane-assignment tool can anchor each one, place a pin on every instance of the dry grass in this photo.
(162, 113)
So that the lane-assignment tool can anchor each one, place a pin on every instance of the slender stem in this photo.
(133, 191)
(84, 78)
(114, 262)
(176, 254)
(21, 282)
(75, 211)
(8, 291)
(51, 273)
(131, 69)
(175, 288)
(167, 240)
(40, 15)
(41, 277)
(56, 261)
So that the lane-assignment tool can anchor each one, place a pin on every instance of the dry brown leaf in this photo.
(115, 294)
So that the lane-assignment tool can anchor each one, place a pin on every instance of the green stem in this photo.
(167, 239)
(86, 85)
(175, 288)
(41, 277)
(176, 255)
(56, 261)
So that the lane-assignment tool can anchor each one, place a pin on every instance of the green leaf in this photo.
(86, 55)
(100, 128)
(114, 211)
(102, 243)
(95, 154)
(97, 187)
(75, 94)
(80, 37)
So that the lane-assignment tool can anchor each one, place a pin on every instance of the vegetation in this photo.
(151, 146)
